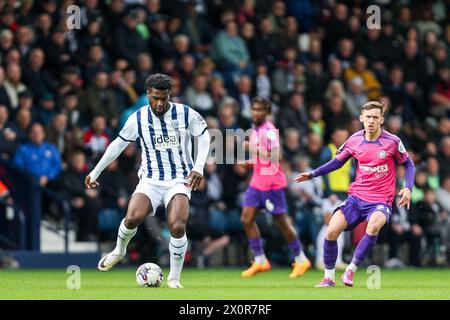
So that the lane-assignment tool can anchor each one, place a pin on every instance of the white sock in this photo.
(329, 273)
(177, 249)
(352, 267)
(261, 259)
(301, 257)
(123, 238)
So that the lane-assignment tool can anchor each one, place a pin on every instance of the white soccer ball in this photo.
(149, 275)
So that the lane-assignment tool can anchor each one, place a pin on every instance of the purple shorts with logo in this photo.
(274, 201)
(357, 210)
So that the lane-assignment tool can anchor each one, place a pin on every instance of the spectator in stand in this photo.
(38, 157)
(8, 138)
(359, 69)
(424, 220)
(337, 182)
(316, 123)
(84, 203)
(13, 84)
(96, 139)
(36, 76)
(294, 115)
(198, 96)
(65, 140)
(101, 101)
(440, 98)
(231, 53)
(128, 43)
(21, 125)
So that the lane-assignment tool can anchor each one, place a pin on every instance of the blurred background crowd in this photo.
(64, 95)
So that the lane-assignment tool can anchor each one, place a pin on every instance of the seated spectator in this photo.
(38, 157)
(359, 69)
(231, 53)
(47, 109)
(440, 98)
(8, 138)
(96, 139)
(425, 225)
(84, 203)
(21, 125)
(356, 97)
(13, 84)
(207, 239)
(316, 123)
(115, 189)
(101, 100)
(198, 96)
(443, 194)
(65, 140)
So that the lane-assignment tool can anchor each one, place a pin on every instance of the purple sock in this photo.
(363, 248)
(257, 246)
(330, 252)
(295, 246)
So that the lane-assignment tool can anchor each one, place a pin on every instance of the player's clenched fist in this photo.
(89, 183)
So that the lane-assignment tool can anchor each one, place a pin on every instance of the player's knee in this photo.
(246, 221)
(132, 221)
(373, 229)
(332, 234)
(178, 228)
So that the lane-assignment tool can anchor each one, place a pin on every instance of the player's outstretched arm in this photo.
(303, 177)
(112, 152)
(320, 171)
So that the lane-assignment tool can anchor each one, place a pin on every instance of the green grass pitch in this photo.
(223, 284)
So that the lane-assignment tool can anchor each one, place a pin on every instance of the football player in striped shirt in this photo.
(167, 173)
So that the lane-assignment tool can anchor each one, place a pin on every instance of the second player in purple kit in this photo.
(371, 195)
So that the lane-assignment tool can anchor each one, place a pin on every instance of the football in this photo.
(149, 275)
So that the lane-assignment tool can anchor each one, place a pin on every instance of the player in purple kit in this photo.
(267, 190)
(371, 194)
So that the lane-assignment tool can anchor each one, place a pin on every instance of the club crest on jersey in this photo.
(381, 154)
(165, 142)
(175, 124)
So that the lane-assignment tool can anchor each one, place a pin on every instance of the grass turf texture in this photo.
(223, 284)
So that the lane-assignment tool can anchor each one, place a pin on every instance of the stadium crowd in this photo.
(65, 93)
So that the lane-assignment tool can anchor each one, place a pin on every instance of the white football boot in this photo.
(109, 261)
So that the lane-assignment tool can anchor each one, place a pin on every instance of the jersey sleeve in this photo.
(344, 152)
(129, 131)
(400, 153)
(197, 125)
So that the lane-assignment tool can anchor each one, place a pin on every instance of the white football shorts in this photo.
(161, 191)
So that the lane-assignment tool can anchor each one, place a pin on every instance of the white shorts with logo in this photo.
(160, 192)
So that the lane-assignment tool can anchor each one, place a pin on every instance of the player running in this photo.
(267, 191)
(167, 174)
(371, 194)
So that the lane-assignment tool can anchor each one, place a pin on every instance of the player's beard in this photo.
(160, 114)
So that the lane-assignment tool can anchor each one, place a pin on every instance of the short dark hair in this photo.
(159, 81)
(264, 102)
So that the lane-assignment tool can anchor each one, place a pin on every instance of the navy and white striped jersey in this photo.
(165, 141)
